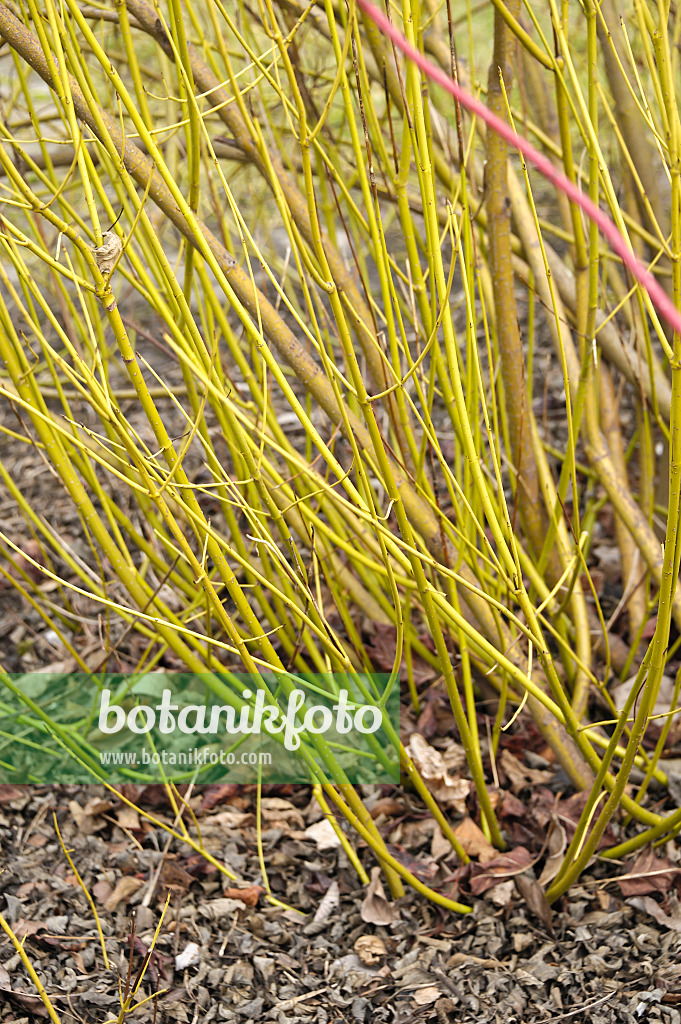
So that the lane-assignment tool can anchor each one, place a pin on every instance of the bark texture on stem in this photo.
(528, 498)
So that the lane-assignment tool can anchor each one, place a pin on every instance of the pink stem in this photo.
(659, 297)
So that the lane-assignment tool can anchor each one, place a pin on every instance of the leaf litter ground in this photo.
(342, 952)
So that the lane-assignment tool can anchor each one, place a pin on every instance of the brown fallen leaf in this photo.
(218, 794)
(86, 823)
(249, 896)
(126, 887)
(9, 793)
(648, 905)
(439, 845)
(221, 909)
(664, 702)
(31, 552)
(37, 840)
(429, 721)
(648, 874)
(474, 842)
(423, 867)
(29, 887)
(535, 897)
(197, 866)
(436, 770)
(80, 963)
(501, 894)
(556, 844)
(322, 833)
(505, 865)
(173, 876)
(154, 795)
(370, 949)
(519, 775)
(175, 995)
(425, 996)
(275, 809)
(33, 1004)
(158, 963)
(375, 907)
(382, 647)
(569, 812)
(329, 903)
(128, 817)
(23, 929)
(229, 819)
(102, 890)
(388, 806)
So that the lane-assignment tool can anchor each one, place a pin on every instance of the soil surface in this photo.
(319, 947)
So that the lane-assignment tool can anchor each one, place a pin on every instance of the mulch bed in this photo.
(225, 952)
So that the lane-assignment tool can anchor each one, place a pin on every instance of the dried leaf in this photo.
(556, 844)
(126, 887)
(474, 842)
(387, 806)
(230, 819)
(102, 890)
(665, 692)
(29, 887)
(197, 865)
(648, 905)
(370, 949)
(173, 876)
(323, 834)
(424, 868)
(220, 908)
(535, 897)
(435, 770)
(189, 957)
(283, 811)
(9, 793)
(153, 795)
(108, 252)
(427, 995)
(506, 865)
(158, 963)
(429, 721)
(501, 894)
(88, 819)
(375, 908)
(33, 1004)
(329, 903)
(570, 811)
(648, 874)
(439, 845)
(23, 929)
(250, 896)
(176, 995)
(520, 776)
(218, 794)
(97, 806)
(382, 649)
(128, 817)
